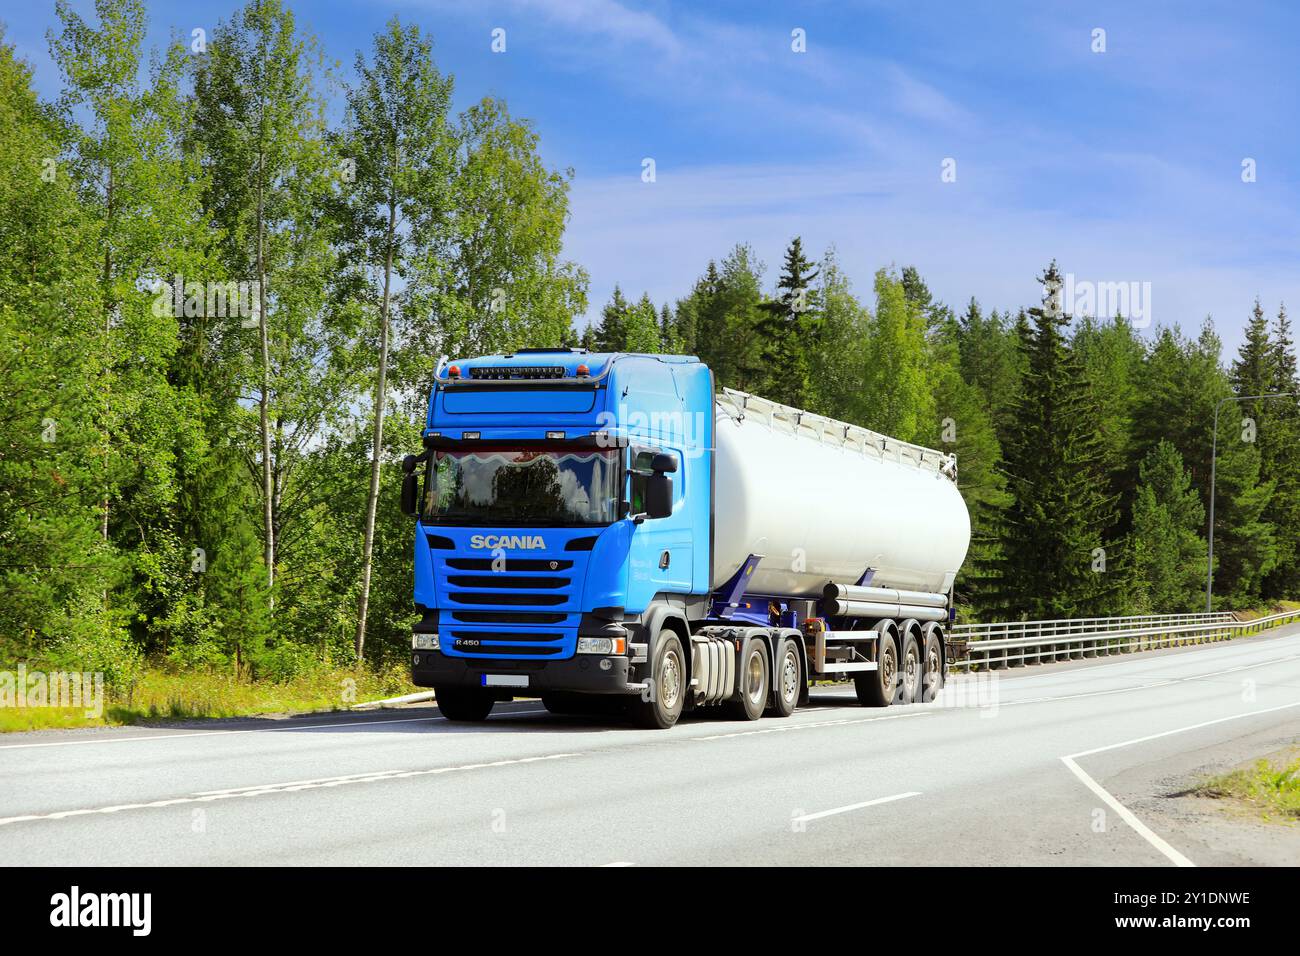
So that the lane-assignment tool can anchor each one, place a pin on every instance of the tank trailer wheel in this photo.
(909, 671)
(876, 688)
(935, 667)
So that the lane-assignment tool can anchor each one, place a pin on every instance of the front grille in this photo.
(505, 581)
(511, 564)
(508, 617)
(527, 610)
(490, 597)
(505, 636)
(514, 649)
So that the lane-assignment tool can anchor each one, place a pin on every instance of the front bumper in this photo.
(581, 673)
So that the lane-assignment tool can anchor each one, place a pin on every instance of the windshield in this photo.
(498, 485)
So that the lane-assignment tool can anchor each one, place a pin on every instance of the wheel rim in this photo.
(671, 679)
(790, 676)
(754, 677)
(932, 667)
(888, 668)
(910, 667)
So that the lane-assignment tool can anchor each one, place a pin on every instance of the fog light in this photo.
(424, 642)
(606, 664)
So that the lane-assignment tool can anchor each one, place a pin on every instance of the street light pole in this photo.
(1214, 448)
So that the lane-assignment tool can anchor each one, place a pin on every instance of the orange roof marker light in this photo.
(583, 371)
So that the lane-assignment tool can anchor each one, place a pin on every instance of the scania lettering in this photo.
(701, 548)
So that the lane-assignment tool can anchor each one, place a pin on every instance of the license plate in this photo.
(504, 680)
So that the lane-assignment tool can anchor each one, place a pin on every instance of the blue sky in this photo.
(1125, 165)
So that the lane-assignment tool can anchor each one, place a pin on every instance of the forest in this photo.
(221, 308)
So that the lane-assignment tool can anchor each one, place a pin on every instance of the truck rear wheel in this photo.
(463, 703)
(787, 679)
(876, 688)
(666, 691)
(752, 680)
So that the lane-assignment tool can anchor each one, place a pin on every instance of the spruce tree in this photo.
(1282, 463)
(1053, 564)
(788, 330)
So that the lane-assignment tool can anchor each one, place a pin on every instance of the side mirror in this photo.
(658, 496)
(664, 463)
(411, 494)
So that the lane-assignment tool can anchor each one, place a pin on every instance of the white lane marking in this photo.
(210, 796)
(297, 783)
(856, 806)
(253, 730)
(1127, 815)
(618, 863)
(809, 726)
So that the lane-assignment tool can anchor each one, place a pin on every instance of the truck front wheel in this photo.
(876, 688)
(463, 703)
(660, 704)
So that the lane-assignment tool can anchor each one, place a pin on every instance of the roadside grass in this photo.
(160, 694)
(1264, 610)
(1271, 786)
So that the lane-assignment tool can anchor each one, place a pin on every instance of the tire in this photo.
(934, 669)
(464, 704)
(668, 686)
(753, 681)
(787, 679)
(876, 688)
(909, 671)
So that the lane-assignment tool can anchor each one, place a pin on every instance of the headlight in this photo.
(602, 645)
(424, 642)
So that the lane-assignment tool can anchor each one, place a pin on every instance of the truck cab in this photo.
(561, 500)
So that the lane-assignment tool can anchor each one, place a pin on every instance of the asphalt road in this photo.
(1064, 763)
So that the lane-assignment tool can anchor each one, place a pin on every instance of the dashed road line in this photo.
(209, 796)
(808, 817)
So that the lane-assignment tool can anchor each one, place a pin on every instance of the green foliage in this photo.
(1166, 546)
(897, 380)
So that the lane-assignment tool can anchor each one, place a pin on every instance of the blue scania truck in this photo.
(612, 532)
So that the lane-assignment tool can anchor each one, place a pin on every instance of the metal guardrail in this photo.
(1017, 643)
